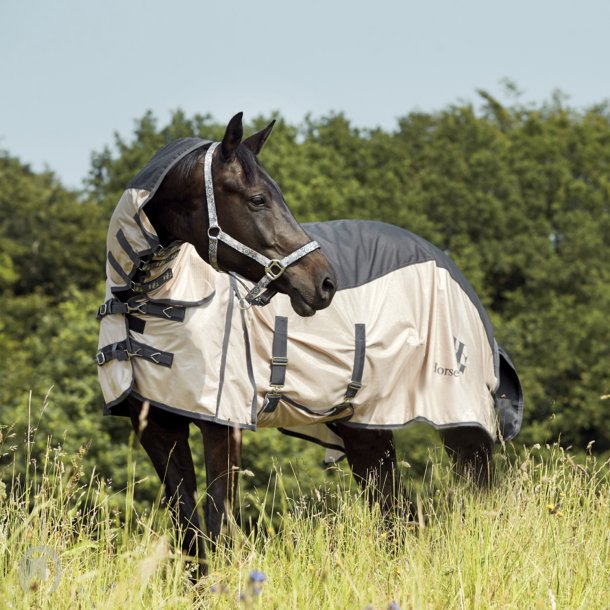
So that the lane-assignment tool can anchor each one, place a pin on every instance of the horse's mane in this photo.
(185, 169)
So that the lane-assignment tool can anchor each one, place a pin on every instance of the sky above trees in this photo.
(75, 72)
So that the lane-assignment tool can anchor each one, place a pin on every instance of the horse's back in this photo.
(398, 282)
(362, 251)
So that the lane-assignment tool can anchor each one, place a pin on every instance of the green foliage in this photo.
(49, 238)
(519, 196)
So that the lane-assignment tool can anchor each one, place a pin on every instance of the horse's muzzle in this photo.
(312, 286)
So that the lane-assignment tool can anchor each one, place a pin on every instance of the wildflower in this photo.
(553, 509)
(393, 606)
(257, 576)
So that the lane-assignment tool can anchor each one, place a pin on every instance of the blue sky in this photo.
(74, 71)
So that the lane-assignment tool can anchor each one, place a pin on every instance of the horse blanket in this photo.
(405, 339)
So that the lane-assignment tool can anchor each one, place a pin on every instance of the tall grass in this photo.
(539, 539)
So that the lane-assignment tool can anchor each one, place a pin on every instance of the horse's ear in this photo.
(232, 137)
(256, 142)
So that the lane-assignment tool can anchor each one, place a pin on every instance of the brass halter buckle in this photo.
(274, 269)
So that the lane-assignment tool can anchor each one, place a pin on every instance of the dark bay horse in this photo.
(250, 231)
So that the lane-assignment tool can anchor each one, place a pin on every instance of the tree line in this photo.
(518, 195)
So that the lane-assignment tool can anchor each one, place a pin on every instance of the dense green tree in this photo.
(519, 196)
(49, 237)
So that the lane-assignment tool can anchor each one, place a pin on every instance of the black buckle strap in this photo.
(264, 298)
(176, 313)
(279, 354)
(125, 350)
(359, 358)
(279, 362)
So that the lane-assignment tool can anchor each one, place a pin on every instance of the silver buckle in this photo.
(102, 310)
(100, 358)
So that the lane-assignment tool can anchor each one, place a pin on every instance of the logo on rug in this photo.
(461, 359)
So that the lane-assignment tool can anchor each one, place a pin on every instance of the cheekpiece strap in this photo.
(213, 227)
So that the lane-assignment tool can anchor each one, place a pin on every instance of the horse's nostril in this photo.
(328, 287)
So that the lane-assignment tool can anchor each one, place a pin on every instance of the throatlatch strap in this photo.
(359, 352)
(125, 350)
(279, 362)
(175, 313)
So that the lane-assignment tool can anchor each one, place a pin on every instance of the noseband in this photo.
(274, 268)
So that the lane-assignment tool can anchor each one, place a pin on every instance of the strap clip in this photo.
(275, 390)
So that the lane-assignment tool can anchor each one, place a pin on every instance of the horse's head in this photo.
(251, 213)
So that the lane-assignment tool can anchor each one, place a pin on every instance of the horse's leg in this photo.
(470, 448)
(164, 436)
(372, 457)
(222, 450)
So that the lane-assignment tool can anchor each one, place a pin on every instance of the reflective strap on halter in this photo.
(213, 226)
(274, 268)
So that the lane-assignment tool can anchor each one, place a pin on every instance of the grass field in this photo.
(540, 539)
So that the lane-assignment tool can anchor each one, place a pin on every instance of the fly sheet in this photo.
(405, 338)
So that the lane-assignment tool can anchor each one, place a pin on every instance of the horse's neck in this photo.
(169, 219)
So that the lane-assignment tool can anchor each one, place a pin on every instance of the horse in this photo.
(203, 241)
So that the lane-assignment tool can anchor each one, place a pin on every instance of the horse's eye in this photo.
(257, 200)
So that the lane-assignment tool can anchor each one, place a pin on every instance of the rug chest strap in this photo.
(130, 348)
(175, 313)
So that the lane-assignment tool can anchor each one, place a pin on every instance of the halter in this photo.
(274, 268)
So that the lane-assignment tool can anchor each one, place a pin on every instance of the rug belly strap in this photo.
(279, 363)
